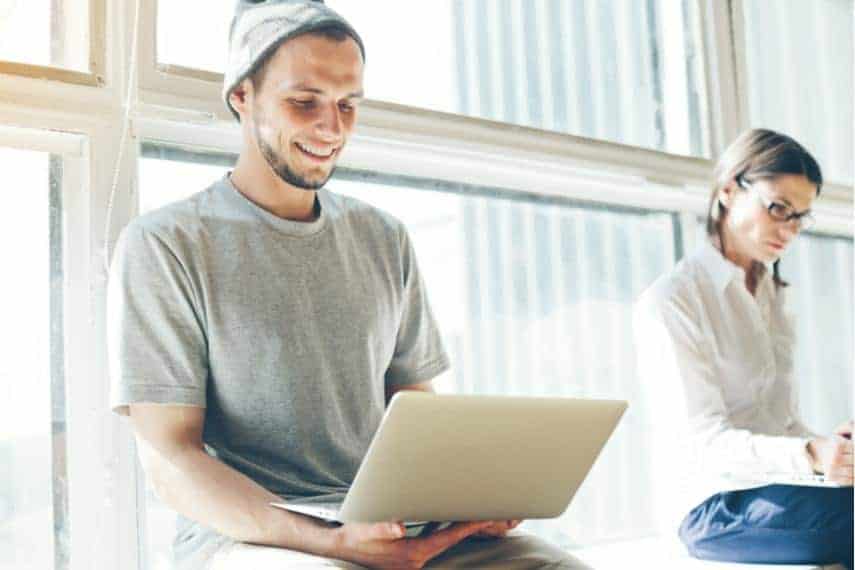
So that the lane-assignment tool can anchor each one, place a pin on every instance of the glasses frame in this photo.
(804, 220)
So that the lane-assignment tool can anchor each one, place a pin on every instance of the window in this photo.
(625, 72)
(209, 50)
(34, 488)
(162, 167)
(50, 33)
(799, 65)
(819, 270)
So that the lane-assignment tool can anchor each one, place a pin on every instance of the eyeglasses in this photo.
(778, 211)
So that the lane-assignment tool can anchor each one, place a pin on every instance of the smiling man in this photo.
(258, 328)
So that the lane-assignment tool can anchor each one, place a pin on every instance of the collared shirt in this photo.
(719, 364)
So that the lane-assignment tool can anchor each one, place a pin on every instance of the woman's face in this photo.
(751, 233)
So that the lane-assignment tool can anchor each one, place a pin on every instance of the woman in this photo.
(714, 337)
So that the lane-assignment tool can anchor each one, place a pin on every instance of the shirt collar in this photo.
(722, 271)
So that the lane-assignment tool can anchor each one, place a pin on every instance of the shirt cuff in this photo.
(799, 456)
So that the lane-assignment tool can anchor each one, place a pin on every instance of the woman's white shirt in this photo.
(719, 364)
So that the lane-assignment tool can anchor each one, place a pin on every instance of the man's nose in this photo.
(330, 125)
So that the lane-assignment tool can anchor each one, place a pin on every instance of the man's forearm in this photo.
(206, 490)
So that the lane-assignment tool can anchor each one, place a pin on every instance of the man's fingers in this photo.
(501, 528)
(498, 529)
(382, 531)
(494, 531)
(445, 538)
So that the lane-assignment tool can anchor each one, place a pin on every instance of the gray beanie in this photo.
(261, 26)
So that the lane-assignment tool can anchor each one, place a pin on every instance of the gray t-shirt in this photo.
(288, 333)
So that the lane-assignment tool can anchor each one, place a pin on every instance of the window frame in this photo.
(80, 115)
(100, 501)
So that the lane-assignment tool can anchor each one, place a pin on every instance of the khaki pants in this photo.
(517, 551)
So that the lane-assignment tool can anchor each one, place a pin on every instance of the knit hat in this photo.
(259, 27)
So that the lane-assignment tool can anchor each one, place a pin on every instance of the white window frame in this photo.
(58, 111)
(101, 459)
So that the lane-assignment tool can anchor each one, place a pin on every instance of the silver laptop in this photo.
(469, 458)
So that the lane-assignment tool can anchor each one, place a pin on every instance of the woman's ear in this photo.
(725, 195)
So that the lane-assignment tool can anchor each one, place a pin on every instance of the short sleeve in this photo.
(419, 354)
(156, 344)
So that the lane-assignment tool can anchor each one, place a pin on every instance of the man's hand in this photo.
(498, 529)
(382, 545)
(832, 456)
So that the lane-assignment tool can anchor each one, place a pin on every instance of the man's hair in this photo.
(332, 31)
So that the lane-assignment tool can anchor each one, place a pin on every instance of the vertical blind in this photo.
(799, 60)
(629, 72)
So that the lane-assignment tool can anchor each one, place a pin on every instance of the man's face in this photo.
(304, 110)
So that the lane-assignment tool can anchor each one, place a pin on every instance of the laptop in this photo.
(446, 458)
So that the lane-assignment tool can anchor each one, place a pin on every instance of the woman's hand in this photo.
(832, 456)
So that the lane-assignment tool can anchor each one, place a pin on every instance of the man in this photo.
(258, 328)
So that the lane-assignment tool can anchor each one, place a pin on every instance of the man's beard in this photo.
(285, 172)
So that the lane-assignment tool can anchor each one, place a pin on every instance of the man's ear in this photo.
(240, 96)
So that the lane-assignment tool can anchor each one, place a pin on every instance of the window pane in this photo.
(33, 486)
(45, 32)
(800, 75)
(819, 270)
(209, 48)
(629, 72)
(161, 167)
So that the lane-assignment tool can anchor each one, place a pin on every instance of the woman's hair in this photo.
(758, 154)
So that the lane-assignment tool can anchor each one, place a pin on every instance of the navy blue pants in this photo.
(776, 524)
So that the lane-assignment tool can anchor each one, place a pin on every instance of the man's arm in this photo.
(420, 387)
(186, 478)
